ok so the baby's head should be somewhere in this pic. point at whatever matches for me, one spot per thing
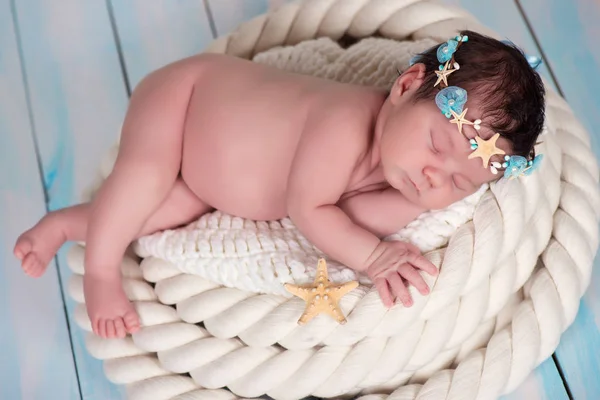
(425, 155)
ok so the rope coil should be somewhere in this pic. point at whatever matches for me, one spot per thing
(509, 285)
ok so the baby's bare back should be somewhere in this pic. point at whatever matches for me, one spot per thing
(243, 127)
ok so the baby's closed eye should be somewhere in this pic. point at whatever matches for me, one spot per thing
(434, 149)
(461, 183)
(467, 184)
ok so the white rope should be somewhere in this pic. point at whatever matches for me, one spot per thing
(510, 280)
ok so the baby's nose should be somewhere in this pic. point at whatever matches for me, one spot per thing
(435, 176)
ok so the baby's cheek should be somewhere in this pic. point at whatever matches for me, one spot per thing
(393, 175)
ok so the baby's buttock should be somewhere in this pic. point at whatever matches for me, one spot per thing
(245, 184)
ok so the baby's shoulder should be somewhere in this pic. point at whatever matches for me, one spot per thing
(340, 116)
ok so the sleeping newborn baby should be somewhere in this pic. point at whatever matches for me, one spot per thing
(348, 164)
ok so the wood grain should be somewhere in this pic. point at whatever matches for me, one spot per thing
(36, 350)
(78, 100)
(568, 32)
(155, 33)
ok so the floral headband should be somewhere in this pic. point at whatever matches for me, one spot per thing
(451, 100)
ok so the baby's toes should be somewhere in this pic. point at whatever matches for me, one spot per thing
(95, 325)
(22, 247)
(102, 328)
(110, 329)
(32, 265)
(120, 330)
(132, 321)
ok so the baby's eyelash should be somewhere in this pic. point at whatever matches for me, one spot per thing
(455, 185)
(435, 151)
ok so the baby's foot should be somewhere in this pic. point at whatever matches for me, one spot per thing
(36, 247)
(110, 311)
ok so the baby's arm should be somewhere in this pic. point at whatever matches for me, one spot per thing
(382, 212)
(323, 164)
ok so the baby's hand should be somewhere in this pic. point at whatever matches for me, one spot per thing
(393, 263)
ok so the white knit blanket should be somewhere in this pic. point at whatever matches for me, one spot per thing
(260, 256)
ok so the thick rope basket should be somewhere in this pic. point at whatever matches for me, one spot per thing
(510, 281)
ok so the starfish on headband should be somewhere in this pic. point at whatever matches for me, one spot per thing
(452, 99)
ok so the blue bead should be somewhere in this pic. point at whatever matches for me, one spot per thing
(534, 61)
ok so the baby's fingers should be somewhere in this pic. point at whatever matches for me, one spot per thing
(384, 292)
(400, 289)
(419, 261)
(413, 276)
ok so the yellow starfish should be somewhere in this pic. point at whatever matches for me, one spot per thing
(460, 120)
(486, 149)
(443, 74)
(322, 296)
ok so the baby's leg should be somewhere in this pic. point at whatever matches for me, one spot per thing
(146, 168)
(37, 246)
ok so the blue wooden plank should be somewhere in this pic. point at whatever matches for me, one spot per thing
(78, 101)
(156, 33)
(544, 383)
(36, 350)
(228, 14)
(567, 31)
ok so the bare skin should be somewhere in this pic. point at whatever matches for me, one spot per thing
(348, 164)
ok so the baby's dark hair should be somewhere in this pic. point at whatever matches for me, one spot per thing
(509, 91)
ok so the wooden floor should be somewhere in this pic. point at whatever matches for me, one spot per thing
(66, 69)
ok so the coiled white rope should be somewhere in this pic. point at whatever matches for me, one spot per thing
(510, 280)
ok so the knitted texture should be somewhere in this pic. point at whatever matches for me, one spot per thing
(510, 278)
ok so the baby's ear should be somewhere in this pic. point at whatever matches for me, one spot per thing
(409, 80)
